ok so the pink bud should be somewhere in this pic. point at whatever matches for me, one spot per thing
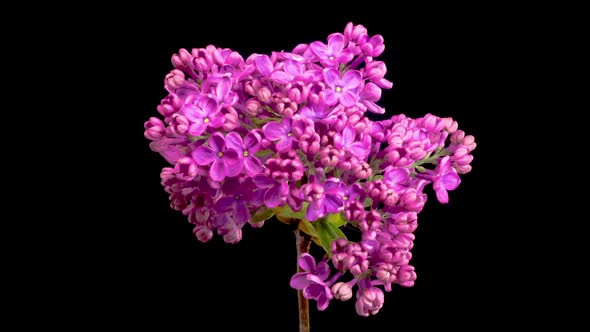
(154, 129)
(342, 291)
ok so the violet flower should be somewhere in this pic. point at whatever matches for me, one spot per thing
(333, 54)
(312, 282)
(445, 178)
(246, 149)
(323, 198)
(203, 112)
(342, 89)
(280, 132)
(223, 159)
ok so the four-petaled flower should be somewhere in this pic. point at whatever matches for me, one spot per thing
(223, 160)
(333, 54)
(312, 282)
(343, 89)
(445, 178)
(203, 112)
(280, 132)
(246, 149)
(323, 198)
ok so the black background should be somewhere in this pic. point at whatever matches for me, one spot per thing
(151, 270)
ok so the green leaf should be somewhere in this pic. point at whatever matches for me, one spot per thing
(286, 212)
(262, 153)
(337, 219)
(263, 215)
(368, 202)
(327, 232)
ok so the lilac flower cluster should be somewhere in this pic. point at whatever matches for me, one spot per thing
(287, 135)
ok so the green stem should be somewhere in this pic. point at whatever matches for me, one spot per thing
(302, 242)
(432, 159)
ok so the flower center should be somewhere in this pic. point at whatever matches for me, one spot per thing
(331, 57)
(289, 134)
(338, 89)
(246, 153)
(206, 120)
(220, 154)
(238, 196)
(345, 197)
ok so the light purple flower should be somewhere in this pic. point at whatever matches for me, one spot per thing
(346, 141)
(369, 300)
(333, 54)
(280, 132)
(223, 160)
(342, 89)
(312, 282)
(320, 113)
(203, 112)
(273, 192)
(445, 178)
(234, 203)
(246, 149)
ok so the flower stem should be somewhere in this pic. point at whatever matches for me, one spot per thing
(302, 241)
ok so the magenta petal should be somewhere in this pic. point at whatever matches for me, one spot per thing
(263, 181)
(336, 43)
(193, 112)
(281, 77)
(313, 213)
(323, 300)
(333, 203)
(197, 128)
(293, 67)
(450, 180)
(306, 262)
(285, 144)
(234, 141)
(359, 149)
(299, 280)
(208, 104)
(397, 175)
(251, 142)
(348, 135)
(273, 131)
(203, 155)
(330, 98)
(224, 204)
(331, 77)
(273, 197)
(217, 142)
(323, 270)
(253, 166)
(442, 195)
(217, 171)
(345, 56)
(264, 65)
(223, 87)
(347, 98)
(233, 162)
(241, 212)
(351, 79)
(313, 291)
(319, 49)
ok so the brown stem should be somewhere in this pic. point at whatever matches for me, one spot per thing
(302, 242)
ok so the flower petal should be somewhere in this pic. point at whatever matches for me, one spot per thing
(281, 77)
(347, 98)
(299, 280)
(234, 141)
(204, 155)
(307, 262)
(197, 128)
(313, 291)
(285, 144)
(331, 77)
(294, 68)
(330, 98)
(320, 49)
(273, 131)
(208, 104)
(264, 65)
(193, 112)
(242, 214)
(272, 196)
(336, 43)
(333, 203)
(217, 142)
(252, 142)
(263, 181)
(351, 79)
(217, 171)
(450, 180)
(442, 195)
(223, 87)
(314, 212)
(253, 166)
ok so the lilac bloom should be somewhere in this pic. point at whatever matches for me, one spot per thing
(323, 198)
(312, 282)
(396, 178)
(223, 159)
(344, 90)
(333, 54)
(293, 70)
(273, 193)
(264, 65)
(280, 132)
(246, 149)
(202, 112)
(352, 192)
(321, 113)
(234, 203)
(445, 178)
(223, 91)
(346, 141)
